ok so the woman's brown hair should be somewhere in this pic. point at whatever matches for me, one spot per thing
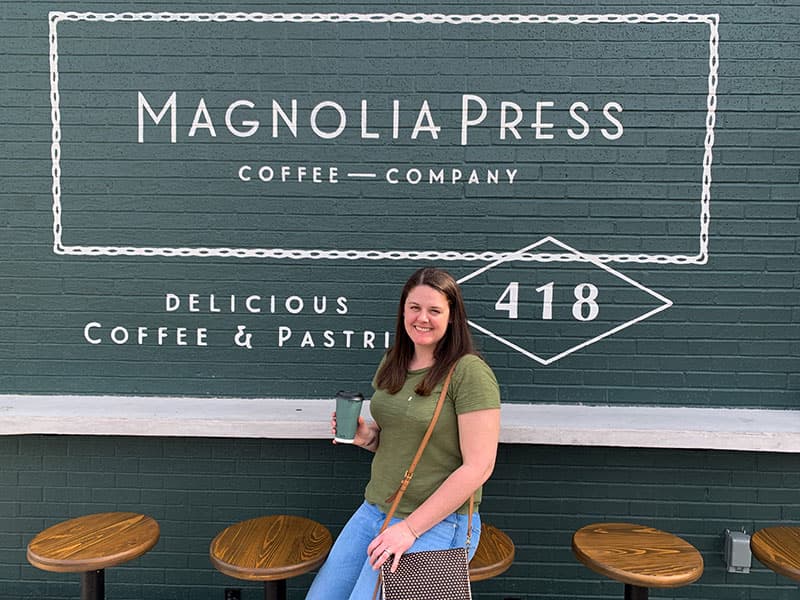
(457, 340)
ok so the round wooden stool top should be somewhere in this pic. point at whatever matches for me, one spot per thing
(637, 555)
(270, 548)
(779, 549)
(494, 555)
(93, 542)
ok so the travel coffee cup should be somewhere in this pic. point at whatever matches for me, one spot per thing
(348, 409)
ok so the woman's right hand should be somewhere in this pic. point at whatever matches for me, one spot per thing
(366, 433)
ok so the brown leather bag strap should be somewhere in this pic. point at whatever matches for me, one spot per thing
(398, 494)
(469, 520)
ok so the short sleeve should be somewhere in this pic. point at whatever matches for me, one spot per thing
(474, 386)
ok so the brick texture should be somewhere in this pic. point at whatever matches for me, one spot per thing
(539, 495)
(730, 339)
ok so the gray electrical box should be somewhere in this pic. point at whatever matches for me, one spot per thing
(737, 551)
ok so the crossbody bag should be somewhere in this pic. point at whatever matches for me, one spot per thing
(430, 574)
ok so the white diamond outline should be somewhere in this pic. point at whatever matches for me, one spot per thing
(582, 256)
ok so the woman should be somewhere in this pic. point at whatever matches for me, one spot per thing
(432, 334)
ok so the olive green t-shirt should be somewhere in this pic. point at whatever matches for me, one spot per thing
(404, 417)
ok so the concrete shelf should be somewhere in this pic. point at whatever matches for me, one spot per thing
(557, 424)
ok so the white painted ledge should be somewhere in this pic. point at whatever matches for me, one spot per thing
(573, 425)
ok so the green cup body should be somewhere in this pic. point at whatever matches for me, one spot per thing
(348, 409)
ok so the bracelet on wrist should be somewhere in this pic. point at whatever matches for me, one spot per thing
(411, 529)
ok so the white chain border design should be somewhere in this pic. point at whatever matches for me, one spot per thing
(712, 20)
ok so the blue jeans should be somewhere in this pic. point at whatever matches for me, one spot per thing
(347, 574)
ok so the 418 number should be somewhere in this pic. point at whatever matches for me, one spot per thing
(585, 307)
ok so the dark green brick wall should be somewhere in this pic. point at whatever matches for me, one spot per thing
(729, 339)
(539, 494)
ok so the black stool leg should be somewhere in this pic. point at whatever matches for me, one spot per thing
(634, 592)
(275, 590)
(93, 585)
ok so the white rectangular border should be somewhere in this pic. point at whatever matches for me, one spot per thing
(712, 20)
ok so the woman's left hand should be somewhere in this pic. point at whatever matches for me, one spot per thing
(391, 544)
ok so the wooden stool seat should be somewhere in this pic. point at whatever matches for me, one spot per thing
(92, 543)
(271, 549)
(779, 549)
(494, 555)
(638, 556)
